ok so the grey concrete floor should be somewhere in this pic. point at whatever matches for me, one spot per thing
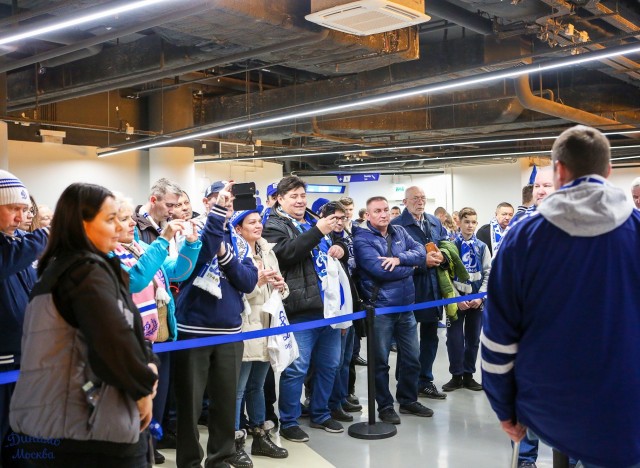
(463, 433)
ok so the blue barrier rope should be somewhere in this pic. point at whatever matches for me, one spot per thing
(12, 376)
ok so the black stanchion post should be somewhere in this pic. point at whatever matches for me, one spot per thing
(372, 429)
(560, 460)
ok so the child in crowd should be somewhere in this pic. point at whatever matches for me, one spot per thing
(463, 334)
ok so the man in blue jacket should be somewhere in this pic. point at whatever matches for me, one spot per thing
(20, 251)
(210, 303)
(425, 228)
(560, 347)
(386, 257)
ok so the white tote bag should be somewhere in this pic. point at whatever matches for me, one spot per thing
(282, 349)
(337, 293)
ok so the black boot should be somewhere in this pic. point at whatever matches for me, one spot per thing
(453, 384)
(263, 445)
(469, 382)
(240, 459)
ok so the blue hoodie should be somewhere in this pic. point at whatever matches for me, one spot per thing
(560, 349)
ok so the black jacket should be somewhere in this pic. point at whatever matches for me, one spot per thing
(148, 233)
(484, 234)
(293, 250)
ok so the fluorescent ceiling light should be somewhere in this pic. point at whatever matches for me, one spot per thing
(431, 88)
(56, 25)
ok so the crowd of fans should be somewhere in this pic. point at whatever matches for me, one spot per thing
(85, 296)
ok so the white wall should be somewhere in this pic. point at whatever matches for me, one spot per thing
(261, 172)
(483, 187)
(48, 168)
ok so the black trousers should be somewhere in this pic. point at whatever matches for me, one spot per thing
(216, 368)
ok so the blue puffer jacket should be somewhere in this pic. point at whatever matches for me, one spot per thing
(17, 278)
(425, 279)
(174, 270)
(396, 287)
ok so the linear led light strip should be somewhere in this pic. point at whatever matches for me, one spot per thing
(394, 148)
(58, 25)
(453, 84)
(475, 156)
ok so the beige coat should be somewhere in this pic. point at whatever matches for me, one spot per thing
(256, 349)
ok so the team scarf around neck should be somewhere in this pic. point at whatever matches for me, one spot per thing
(209, 276)
(580, 181)
(472, 261)
(496, 234)
(153, 295)
(148, 217)
(319, 253)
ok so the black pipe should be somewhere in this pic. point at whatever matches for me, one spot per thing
(460, 16)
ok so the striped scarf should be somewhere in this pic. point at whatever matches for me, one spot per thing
(154, 294)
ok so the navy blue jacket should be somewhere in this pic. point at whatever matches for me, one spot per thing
(425, 279)
(17, 277)
(560, 347)
(396, 287)
(200, 313)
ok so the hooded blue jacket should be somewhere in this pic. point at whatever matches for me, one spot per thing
(396, 287)
(17, 277)
(560, 350)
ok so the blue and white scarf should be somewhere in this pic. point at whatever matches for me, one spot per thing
(148, 217)
(496, 235)
(319, 253)
(580, 181)
(209, 276)
(472, 261)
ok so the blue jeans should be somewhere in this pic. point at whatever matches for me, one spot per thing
(250, 387)
(324, 345)
(463, 341)
(528, 450)
(341, 384)
(402, 327)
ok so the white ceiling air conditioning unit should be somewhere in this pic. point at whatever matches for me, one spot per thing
(365, 17)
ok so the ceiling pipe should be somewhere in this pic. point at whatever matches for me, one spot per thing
(460, 16)
(544, 106)
(92, 41)
(147, 76)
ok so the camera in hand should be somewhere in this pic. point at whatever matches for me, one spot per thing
(245, 196)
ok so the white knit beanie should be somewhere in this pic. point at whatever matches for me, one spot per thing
(12, 190)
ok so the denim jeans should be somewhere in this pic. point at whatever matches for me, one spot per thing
(340, 386)
(250, 388)
(528, 450)
(324, 345)
(463, 341)
(402, 327)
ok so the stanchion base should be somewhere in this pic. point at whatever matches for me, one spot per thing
(378, 430)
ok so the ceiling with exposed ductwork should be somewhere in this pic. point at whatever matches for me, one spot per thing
(181, 67)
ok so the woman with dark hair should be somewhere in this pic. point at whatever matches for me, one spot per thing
(31, 219)
(88, 377)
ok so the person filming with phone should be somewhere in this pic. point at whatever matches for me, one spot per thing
(302, 246)
(211, 303)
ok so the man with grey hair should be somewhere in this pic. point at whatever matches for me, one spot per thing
(635, 191)
(154, 215)
(424, 229)
(561, 322)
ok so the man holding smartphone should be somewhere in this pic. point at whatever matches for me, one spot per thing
(301, 246)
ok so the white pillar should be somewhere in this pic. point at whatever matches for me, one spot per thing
(176, 164)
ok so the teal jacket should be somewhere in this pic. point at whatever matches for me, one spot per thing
(174, 269)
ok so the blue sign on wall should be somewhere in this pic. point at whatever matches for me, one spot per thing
(346, 178)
